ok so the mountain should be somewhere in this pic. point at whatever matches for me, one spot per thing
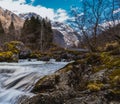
(64, 35)
(7, 16)
(28, 15)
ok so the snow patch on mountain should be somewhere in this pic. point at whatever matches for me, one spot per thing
(71, 38)
(29, 15)
(109, 24)
(64, 35)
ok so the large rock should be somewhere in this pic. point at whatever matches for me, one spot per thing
(80, 83)
(8, 56)
(18, 48)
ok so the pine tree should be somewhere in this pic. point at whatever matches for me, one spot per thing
(12, 28)
(48, 34)
(2, 34)
(1, 28)
(12, 32)
(36, 33)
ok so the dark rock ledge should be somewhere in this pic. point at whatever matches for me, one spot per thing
(92, 80)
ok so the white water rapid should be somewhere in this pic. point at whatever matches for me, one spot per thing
(17, 79)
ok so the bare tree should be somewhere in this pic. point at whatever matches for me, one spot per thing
(89, 17)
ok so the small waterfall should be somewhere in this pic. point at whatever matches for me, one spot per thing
(17, 79)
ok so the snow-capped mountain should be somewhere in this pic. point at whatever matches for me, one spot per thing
(28, 15)
(64, 35)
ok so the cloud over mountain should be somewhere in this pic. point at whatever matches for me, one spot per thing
(20, 6)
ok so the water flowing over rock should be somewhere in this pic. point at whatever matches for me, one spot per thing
(81, 82)
(17, 79)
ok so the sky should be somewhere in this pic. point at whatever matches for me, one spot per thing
(56, 10)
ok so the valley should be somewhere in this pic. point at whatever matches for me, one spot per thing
(68, 57)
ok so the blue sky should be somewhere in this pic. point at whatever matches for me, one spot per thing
(56, 4)
(56, 10)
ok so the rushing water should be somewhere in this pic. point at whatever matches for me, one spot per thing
(17, 79)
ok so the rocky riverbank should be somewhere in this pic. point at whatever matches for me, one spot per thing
(15, 50)
(93, 79)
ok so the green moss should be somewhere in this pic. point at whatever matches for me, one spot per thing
(66, 68)
(73, 52)
(110, 61)
(35, 55)
(103, 61)
(98, 68)
(95, 86)
(115, 76)
(13, 46)
(115, 91)
(39, 82)
(7, 56)
(55, 48)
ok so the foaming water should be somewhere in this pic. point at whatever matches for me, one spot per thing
(17, 79)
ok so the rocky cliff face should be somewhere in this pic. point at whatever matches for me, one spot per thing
(64, 35)
(7, 16)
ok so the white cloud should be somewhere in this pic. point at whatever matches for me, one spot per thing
(20, 6)
(61, 15)
(32, 1)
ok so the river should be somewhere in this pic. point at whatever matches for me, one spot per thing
(17, 79)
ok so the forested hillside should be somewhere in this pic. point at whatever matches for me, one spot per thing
(37, 33)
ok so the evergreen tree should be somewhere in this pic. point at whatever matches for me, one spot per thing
(12, 28)
(37, 33)
(1, 28)
(48, 35)
(12, 32)
(2, 34)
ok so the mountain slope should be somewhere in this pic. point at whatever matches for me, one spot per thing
(64, 35)
(7, 16)
(28, 15)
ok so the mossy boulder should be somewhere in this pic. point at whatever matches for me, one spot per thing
(18, 48)
(14, 46)
(8, 56)
(96, 76)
